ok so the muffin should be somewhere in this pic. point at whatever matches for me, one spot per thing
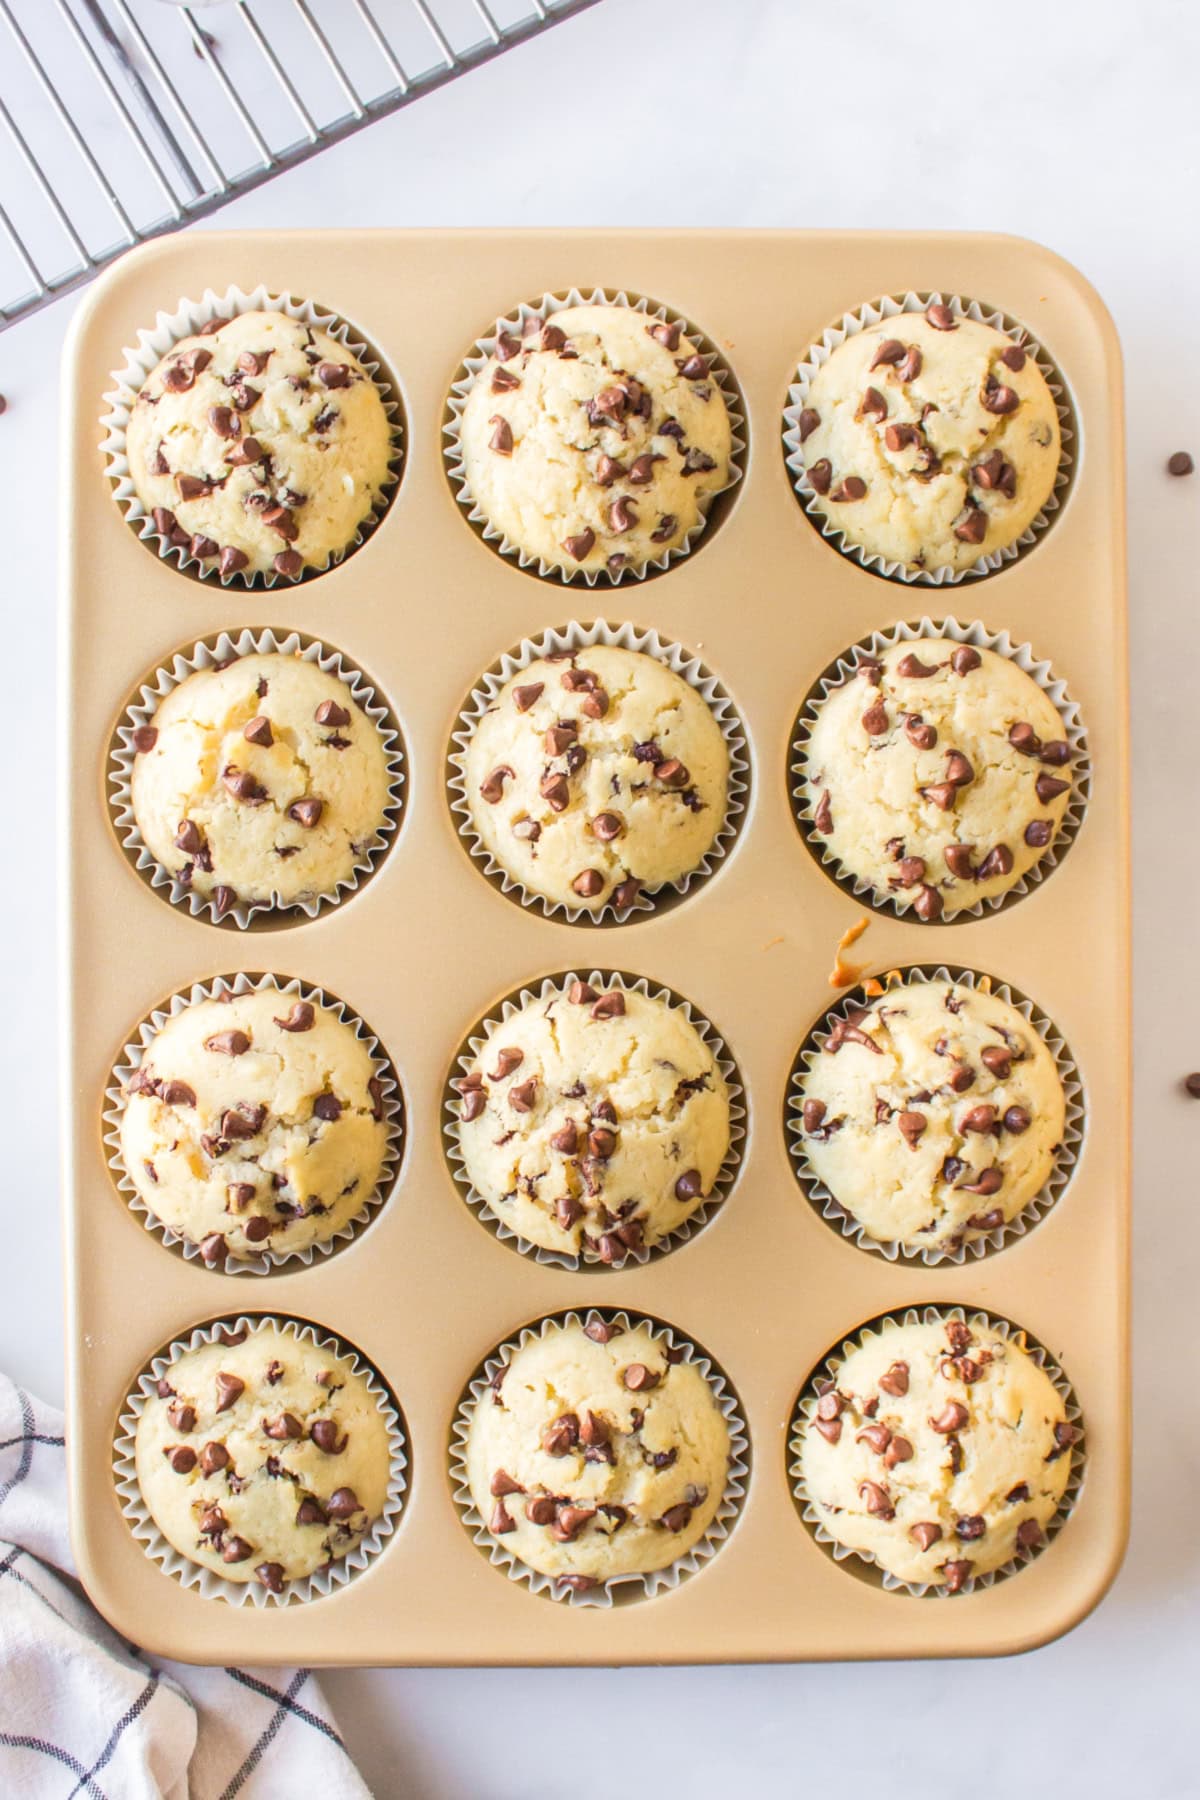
(595, 441)
(254, 1124)
(933, 1115)
(262, 1457)
(593, 776)
(597, 1454)
(593, 1122)
(941, 1451)
(937, 774)
(261, 782)
(259, 445)
(929, 439)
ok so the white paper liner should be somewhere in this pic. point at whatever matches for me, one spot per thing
(267, 1262)
(719, 372)
(618, 1590)
(931, 1315)
(251, 1593)
(890, 307)
(1035, 1208)
(602, 980)
(575, 637)
(977, 635)
(184, 322)
(211, 653)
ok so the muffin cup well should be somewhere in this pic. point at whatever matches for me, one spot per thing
(977, 635)
(805, 1406)
(572, 638)
(891, 306)
(267, 1262)
(602, 980)
(1035, 1209)
(152, 345)
(619, 1590)
(192, 1575)
(719, 372)
(214, 653)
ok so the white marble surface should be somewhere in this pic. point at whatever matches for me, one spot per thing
(1074, 122)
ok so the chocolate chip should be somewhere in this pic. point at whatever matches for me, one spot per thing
(928, 904)
(588, 884)
(224, 422)
(973, 528)
(327, 1107)
(925, 1534)
(343, 1503)
(607, 826)
(595, 704)
(820, 475)
(979, 1119)
(970, 1528)
(689, 1186)
(913, 669)
(324, 1434)
(522, 1097)
(244, 454)
(809, 419)
(958, 859)
(1013, 358)
(473, 1104)
(561, 1435)
(638, 1379)
(609, 1006)
(1017, 1120)
(213, 1458)
(501, 440)
(993, 472)
(872, 405)
(890, 352)
(998, 1060)
(229, 1389)
(228, 1043)
(672, 773)
(899, 436)
(989, 1182)
(1180, 463)
(506, 1061)
(875, 720)
(287, 1425)
(952, 1417)
(912, 1127)
(288, 562)
(998, 861)
(555, 790)
(492, 787)
(641, 470)
(940, 317)
(876, 1500)
(942, 794)
(850, 489)
(965, 659)
(1192, 1085)
(232, 560)
(581, 993)
(1047, 787)
(300, 1018)
(895, 1379)
(692, 368)
(331, 714)
(541, 1511)
(987, 1221)
(238, 1195)
(665, 333)
(333, 375)
(164, 520)
(525, 697)
(999, 399)
(502, 1484)
(258, 731)
(565, 1140)
(813, 1114)
(622, 515)
(876, 1437)
(258, 1229)
(920, 735)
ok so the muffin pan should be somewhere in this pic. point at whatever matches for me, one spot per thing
(428, 946)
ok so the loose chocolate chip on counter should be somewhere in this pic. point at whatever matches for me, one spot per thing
(940, 317)
(1180, 463)
(852, 488)
(638, 1379)
(300, 1018)
(588, 884)
(228, 1043)
(965, 659)
(952, 1417)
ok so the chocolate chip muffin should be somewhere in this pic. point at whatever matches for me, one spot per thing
(259, 445)
(254, 1123)
(938, 774)
(933, 1115)
(594, 776)
(594, 1121)
(941, 1451)
(595, 441)
(260, 782)
(930, 439)
(262, 1457)
(597, 1453)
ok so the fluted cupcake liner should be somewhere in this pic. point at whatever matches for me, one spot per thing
(891, 306)
(192, 1575)
(979, 637)
(153, 344)
(805, 1407)
(215, 653)
(618, 1590)
(1035, 1208)
(602, 981)
(570, 639)
(267, 1262)
(719, 373)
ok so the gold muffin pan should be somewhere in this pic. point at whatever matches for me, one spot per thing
(428, 946)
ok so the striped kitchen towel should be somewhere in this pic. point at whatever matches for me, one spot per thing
(82, 1712)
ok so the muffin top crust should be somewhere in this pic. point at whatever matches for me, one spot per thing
(930, 439)
(594, 1120)
(937, 773)
(254, 1123)
(941, 1450)
(594, 441)
(259, 445)
(933, 1115)
(262, 1457)
(598, 1452)
(596, 775)
(260, 781)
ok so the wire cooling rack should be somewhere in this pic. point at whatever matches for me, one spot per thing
(122, 119)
